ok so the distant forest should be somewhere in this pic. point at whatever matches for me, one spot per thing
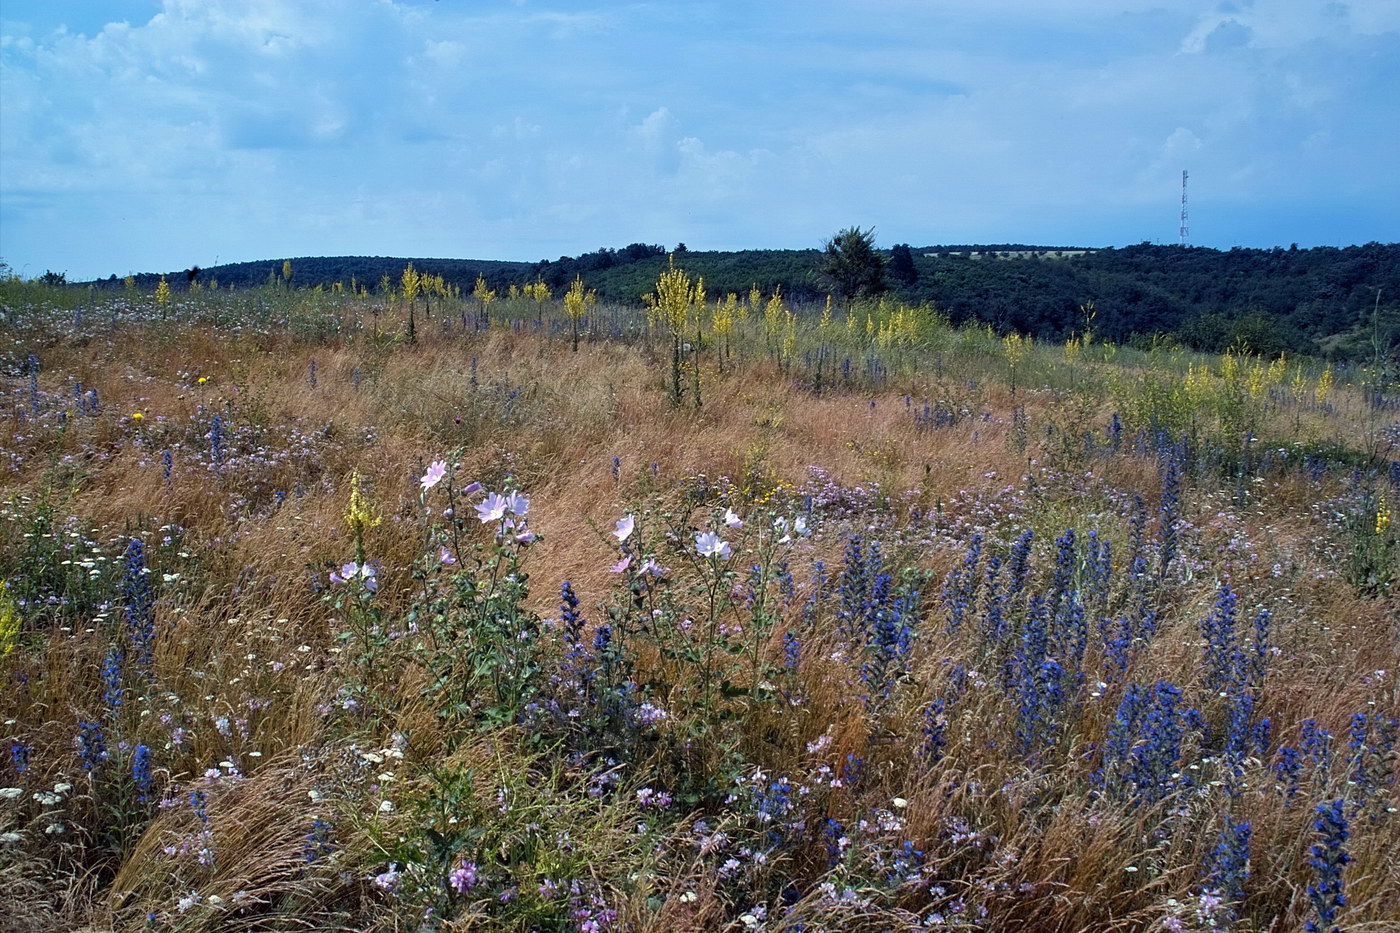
(1335, 301)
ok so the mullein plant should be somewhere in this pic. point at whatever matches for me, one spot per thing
(675, 299)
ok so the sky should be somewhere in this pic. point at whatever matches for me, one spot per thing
(142, 136)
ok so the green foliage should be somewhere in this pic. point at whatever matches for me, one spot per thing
(851, 266)
(901, 266)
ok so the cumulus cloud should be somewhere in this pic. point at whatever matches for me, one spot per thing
(260, 128)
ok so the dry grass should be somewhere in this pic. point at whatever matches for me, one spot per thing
(248, 631)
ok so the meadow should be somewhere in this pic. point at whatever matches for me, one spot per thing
(420, 610)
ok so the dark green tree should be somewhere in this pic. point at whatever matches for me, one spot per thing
(902, 264)
(851, 266)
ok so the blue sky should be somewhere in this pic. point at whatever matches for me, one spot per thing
(148, 136)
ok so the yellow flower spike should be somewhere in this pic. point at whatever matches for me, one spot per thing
(9, 621)
(1382, 519)
(360, 516)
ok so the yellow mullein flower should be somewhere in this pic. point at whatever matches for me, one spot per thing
(9, 621)
(360, 516)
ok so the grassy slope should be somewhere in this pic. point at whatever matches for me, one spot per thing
(261, 663)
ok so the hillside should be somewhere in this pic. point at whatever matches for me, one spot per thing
(1318, 300)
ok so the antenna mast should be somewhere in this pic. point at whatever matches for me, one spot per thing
(1185, 230)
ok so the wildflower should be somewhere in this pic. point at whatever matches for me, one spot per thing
(445, 556)
(141, 771)
(388, 880)
(112, 678)
(649, 715)
(625, 525)
(621, 565)
(202, 380)
(517, 504)
(139, 600)
(731, 520)
(493, 509)
(91, 747)
(1329, 858)
(709, 544)
(471, 489)
(788, 529)
(436, 471)
(137, 416)
(351, 571)
(463, 878)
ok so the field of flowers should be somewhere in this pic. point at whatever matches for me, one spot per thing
(416, 610)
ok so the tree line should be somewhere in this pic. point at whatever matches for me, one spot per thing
(1338, 301)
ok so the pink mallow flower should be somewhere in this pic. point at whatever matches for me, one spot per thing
(625, 526)
(493, 509)
(709, 544)
(352, 571)
(436, 471)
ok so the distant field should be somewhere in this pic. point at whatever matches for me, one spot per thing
(1017, 254)
(419, 609)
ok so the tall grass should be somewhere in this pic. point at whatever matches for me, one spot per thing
(905, 631)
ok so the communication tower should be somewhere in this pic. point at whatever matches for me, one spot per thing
(1185, 230)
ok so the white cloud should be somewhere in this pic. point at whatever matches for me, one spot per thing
(497, 130)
